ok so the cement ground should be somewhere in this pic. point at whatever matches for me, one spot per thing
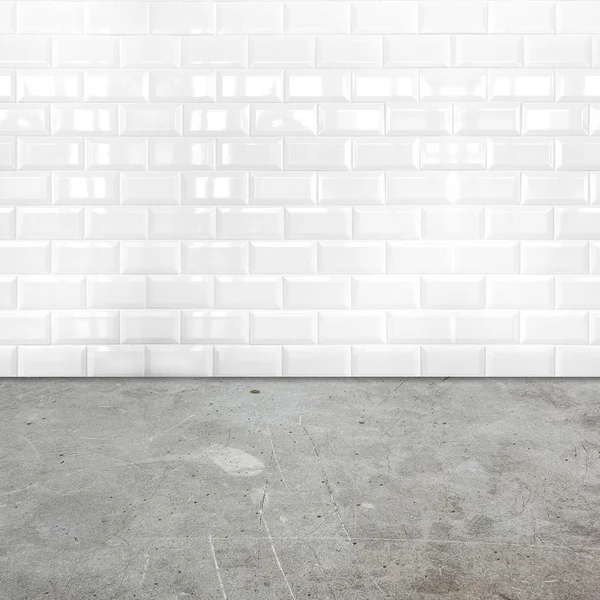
(279, 489)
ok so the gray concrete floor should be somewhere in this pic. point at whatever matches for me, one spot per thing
(324, 489)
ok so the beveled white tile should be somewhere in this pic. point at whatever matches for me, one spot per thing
(179, 361)
(386, 361)
(52, 361)
(283, 327)
(453, 361)
(247, 361)
(85, 327)
(215, 326)
(150, 326)
(317, 361)
(115, 361)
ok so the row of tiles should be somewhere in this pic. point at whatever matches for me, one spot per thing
(355, 17)
(298, 52)
(340, 292)
(299, 361)
(405, 119)
(364, 223)
(322, 85)
(299, 153)
(553, 327)
(541, 257)
(297, 188)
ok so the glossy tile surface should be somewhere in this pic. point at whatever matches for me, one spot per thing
(299, 188)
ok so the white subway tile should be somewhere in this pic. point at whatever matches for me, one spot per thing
(215, 326)
(85, 327)
(150, 326)
(416, 50)
(507, 223)
(52, 361)
(249, 18)
(150, 257)
(386, 223)
(453, 361)
(558, 51)
(351, 257)
(577, 361)
(520, 291)
(545, 119)
(574, 223)
(286, 119)
(180, 85)
(554, 257)
(42, 223)
(279, 257)
(385, 291)
(420, 327)
(146, 52)
(149, 188)
(554, 327)
(487, 257)
(54, 292)
(577, 292)
(420, 257)
(116, 153)
(182, 18)
(83, 188)
(8, 361)
(313, 86)
(317, 361)
(181, 222)
(385, 154)
(351, 188)
(523, 154)
(248, 86)
(345, 120)
(384, 17)
(257, 154)
(515, 361)
(522, 17)
(290, 52)
(248, 361)
(488, 51)
(215, 257)
(24, 327)
(91, 51)
(25, 257)
(205, 188)
(452, 291)
(116, 291)
(210, 120)
(116, 223)
(283, 327)
(388, 84)
(486, 327)
(85, 257)
(318, 223)
(115, 361)
(283, 188)
(512, 85)
(418, 119)
(446, 85)
(179, 361)
(179, 291)
(555, 188)
(230, 51)
(248, 292)
(352, 327)
(452, 223)
(487, 119)
(316, 18)
(8, 292)
(455, 16)
(113, 85)
(386, 361)
(305, 292)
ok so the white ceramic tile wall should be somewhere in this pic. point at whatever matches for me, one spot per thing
(397, 187)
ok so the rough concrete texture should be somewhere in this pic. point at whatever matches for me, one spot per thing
(323, 489)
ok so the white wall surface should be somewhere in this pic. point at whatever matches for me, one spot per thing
(300, 188)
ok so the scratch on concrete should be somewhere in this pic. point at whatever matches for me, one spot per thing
(32, 446)
(275, 457)
(217, 568)
(289, 587)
